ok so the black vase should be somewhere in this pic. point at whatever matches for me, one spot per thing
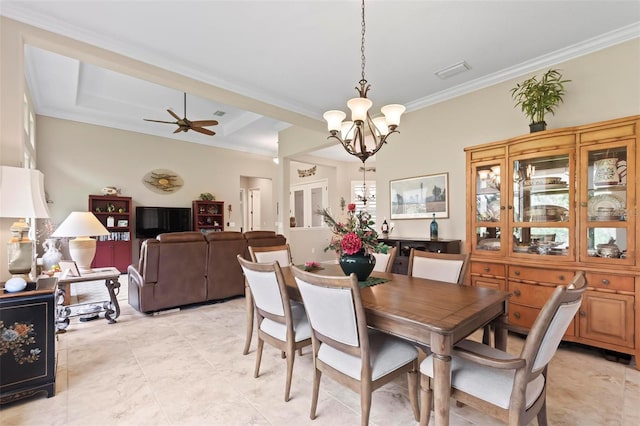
(359, 263)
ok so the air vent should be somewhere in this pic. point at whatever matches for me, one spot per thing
(219, 113)
(452, 70)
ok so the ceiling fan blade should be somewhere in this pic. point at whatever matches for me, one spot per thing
(201, 123)
(203, 131)
(173, 114)
(178, 130)
(159, 121)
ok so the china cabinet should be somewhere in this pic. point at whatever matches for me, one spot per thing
(208, 216)
(114, 213)
(545, 205)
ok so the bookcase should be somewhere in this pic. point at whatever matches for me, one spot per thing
(114, 213)
(208, 216)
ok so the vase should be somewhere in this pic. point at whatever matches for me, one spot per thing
(359, 263)
(52, 255)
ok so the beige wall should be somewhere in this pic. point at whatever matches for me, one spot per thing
(605, 85)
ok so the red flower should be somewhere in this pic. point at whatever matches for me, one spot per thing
(351, 244)
(351, 207)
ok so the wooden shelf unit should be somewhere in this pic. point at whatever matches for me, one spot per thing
(404, 245)
(114, 249)
(208, 216)
(538, 212)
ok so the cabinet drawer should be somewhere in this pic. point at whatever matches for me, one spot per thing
(484, 268)
(551, 276)
(530, 294)
(525, 316)
(610, 281)
(492, 283)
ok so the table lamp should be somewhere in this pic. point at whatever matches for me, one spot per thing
(82, 226)
(21, 196)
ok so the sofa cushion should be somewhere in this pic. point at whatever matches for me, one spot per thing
(224, 274)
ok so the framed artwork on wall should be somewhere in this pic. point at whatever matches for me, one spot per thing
(420, 197)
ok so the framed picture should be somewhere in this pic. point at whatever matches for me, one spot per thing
(420, 197)
(68, 268)
(123, 223)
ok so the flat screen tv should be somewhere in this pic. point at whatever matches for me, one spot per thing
(151, 221)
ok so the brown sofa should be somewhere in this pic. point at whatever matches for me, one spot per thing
(183, 268)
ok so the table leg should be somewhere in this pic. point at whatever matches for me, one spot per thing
(62, 311)
(112, 306)
(441, 346)
(501, 331)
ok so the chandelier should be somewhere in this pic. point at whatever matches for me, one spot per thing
(354, 134)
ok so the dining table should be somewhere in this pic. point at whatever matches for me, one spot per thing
(428, 312)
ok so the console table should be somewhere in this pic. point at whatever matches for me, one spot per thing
(110, 307)
(27, 349)
(404, 245)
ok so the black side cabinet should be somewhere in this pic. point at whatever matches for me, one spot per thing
(401, 264)
(27, 341)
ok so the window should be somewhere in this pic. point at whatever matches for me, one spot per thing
(306, 200)
(361, 191)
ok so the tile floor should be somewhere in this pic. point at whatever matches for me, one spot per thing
(186, 367)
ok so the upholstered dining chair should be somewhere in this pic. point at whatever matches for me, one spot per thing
(281, 254)
(281, 323)
(384, 261)
(448, 267)
(345, 348)
(511, 388)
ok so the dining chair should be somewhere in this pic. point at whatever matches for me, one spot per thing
(511, 388)
(384, 261)
(448, 267)
(281, 323)
(281, 254)
(344, 347)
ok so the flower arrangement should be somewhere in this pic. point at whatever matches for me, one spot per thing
(355, 234)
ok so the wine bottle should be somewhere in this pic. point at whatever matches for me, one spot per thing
(434, 228)
(385, 226)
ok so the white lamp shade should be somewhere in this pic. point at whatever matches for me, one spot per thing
(359, 108)
(381, 125)
(22, 193)
(80, 224)
(392, 113)
(334, 119)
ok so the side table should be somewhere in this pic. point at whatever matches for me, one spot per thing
(27, 347)
(111, 307)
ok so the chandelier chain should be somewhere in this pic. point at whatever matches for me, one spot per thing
(362, 58)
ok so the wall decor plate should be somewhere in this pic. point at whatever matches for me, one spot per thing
(605, 202)
(162, 181)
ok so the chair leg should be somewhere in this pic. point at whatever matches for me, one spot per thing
(316, 389)
(258, 357)
(249, 302)
(365, 403)
(542, 415)
(291, 355)
(412, 379)
(426, 399)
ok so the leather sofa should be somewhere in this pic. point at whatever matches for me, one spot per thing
(184, 268)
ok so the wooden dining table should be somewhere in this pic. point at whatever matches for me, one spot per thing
(430, 313)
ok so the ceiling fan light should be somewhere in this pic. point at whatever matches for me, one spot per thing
(359, 108)
(392, 114)
(334, 119)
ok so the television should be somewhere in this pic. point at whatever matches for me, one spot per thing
(151, 221)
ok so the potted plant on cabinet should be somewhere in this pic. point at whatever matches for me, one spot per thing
(538, 97)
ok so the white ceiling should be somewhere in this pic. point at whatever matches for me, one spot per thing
(299, 56)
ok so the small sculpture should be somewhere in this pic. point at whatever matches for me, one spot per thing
(110, 190)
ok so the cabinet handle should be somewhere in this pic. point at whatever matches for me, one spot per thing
(502, 207)
(516, 315)
(517, 293)
(516, 273)
(510, 207)
(583, 204)
(561, 277)
(487, 269)
(605, 282)
(583, 314)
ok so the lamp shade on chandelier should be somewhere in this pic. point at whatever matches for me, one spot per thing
(363, 136)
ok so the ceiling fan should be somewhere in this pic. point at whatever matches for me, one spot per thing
(185, 125)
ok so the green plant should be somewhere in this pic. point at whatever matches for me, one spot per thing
(356, 233)
(536, 98)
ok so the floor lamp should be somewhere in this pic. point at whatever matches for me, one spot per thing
(21, 196)
(82, 226)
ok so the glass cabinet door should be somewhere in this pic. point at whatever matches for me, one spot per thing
(489, 218)
(604, 203)
(540, 214)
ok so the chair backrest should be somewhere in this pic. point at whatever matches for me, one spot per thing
(268, 289)
(384, 261)
(279, 253)
(550, 325)
(448, 267)
(335, 312)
